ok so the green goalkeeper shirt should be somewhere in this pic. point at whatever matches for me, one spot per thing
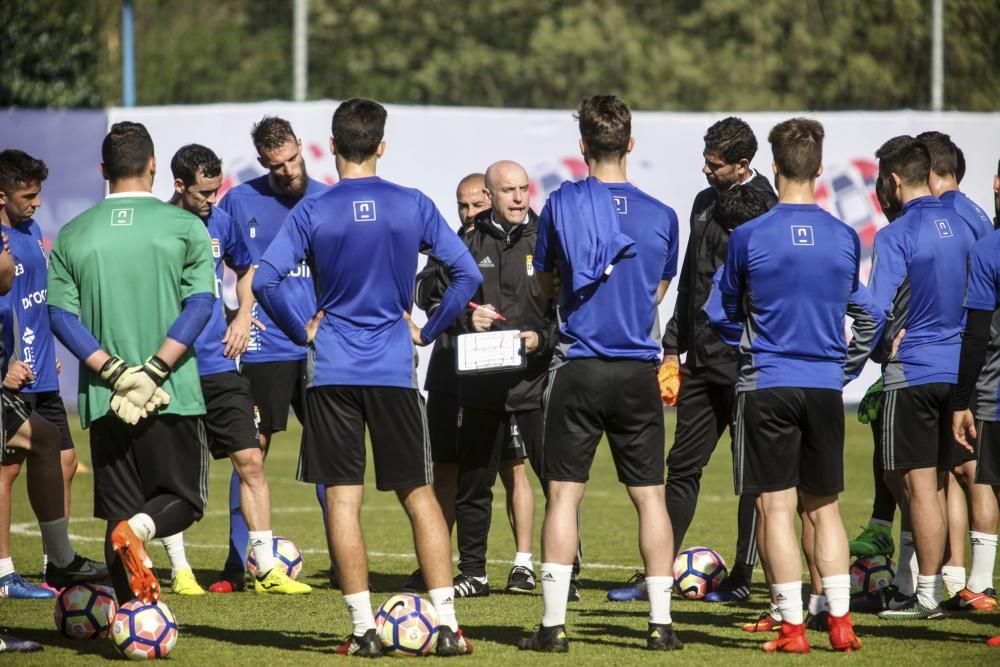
(124, 267)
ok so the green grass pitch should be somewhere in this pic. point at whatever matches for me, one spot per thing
(247, 628)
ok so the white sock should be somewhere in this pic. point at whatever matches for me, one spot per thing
(788, 597)
(984, 555)
(658, 590)
(56, 540)
(954, 578)
(143, 527)
(837, 589)
(6, 566)
(555, 588)
(774, 612)
(359, 606)
(262, 543)
(906, 568)
(45, 563)
(443, 600)
(523, 559)
(174, 544)
(818, 603)
(880, 522)
(929, 590)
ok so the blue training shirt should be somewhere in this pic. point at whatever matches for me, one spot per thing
(616, 319)
(983, 293)
(790, 275)
(259, 213)
(228, 249)
(26, 329)
(968, 210)
(918, 278)
(363, 237)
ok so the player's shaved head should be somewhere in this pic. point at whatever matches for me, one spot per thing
(471, 198)
(508, 188)
(471, 182)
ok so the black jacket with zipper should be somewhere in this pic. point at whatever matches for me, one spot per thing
(688, 330)
(509, 284)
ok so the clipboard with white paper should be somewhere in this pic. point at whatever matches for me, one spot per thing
(490, 352)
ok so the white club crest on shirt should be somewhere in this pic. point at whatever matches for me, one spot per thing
(943, 228)
(364, 211)
(122, 217)
(802, 235)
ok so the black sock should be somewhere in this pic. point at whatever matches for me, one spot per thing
(170, 514)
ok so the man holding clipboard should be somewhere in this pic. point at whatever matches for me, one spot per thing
(501, 379)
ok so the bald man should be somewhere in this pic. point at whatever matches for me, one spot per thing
(500, 418)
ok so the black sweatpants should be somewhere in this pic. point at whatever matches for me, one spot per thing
(704, 410)
(485, 437)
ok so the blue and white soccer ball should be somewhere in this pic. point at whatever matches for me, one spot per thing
(698, 571)
(286, 555)
(85, 611)
(871, 574)
(144, 631)
(407, 625)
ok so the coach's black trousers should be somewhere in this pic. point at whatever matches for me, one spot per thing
(485, 437)
(704, 411)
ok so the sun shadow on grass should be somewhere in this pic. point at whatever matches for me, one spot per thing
(52, 638)
(290, 640)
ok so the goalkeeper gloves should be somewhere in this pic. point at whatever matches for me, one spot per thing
(871, 404)
(669, 377)
(137, 391)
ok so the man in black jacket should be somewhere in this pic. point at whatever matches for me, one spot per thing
(708, 375)
(500, 419)
(441, 384)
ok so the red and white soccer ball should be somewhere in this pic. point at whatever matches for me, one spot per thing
(698, 571)
(85, 611)
(286, 555)
(144, 631)
(870, 575)
(407, 625)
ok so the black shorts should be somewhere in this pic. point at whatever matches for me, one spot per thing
(516, 435)
(15, 412)
(161, 454)
(333, 439)
(588, 397)
(230, 421)
(49, 404)
(916, 427)
(988, 446)
(787, 438)
(442, 424)
(276, 385)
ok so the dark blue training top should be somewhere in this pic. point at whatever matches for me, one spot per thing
(983, 293)
(228, 249)
(27, 331)
(259, 212)
(362, 237)
(790, 275)
(918, 278)
(614, 318)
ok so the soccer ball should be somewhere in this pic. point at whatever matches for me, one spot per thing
(698, 571)
(870, 574)
(85, 611)
(144, 631)
(286, 554)
(407, 625)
